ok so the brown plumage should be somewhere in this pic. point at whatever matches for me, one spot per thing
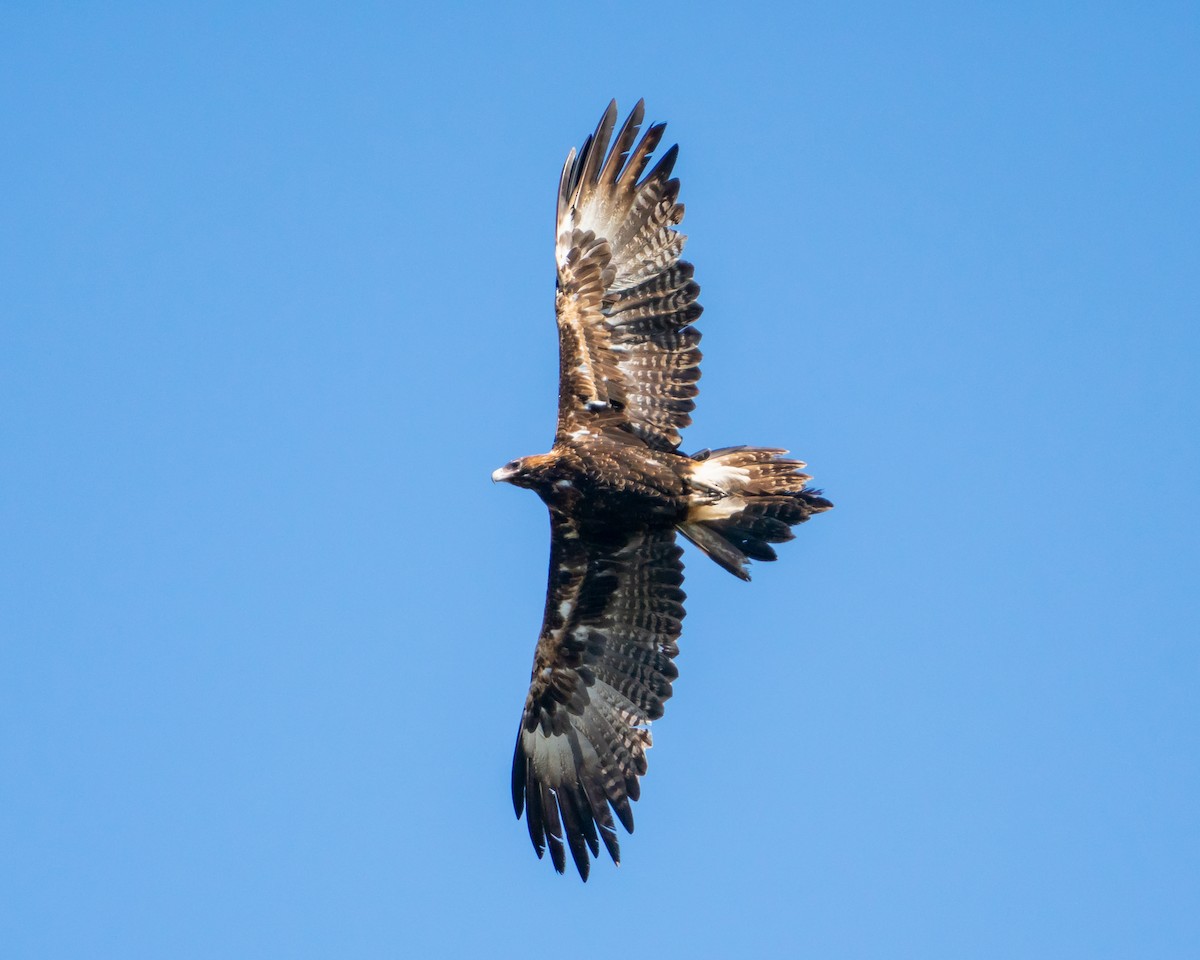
(618, 491)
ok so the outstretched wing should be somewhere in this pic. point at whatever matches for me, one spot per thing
(602, 671)
(628, 354)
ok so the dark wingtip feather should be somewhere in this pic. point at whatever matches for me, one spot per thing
(576, 823)
(624, 812)
(554, 829)
(609, 836)
(518, 777)
(666, 163)
(535, 818)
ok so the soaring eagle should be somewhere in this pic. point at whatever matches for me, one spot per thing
(618, 490)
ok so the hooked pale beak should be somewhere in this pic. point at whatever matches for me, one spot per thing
(504, 474)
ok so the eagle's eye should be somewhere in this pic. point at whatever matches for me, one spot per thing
(512, 465)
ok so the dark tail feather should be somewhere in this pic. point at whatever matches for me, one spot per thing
(717, 547)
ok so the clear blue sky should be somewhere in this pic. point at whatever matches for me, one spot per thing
(276, 297)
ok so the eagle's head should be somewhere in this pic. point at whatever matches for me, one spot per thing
(528, 472)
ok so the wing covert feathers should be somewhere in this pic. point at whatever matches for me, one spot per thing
(625, 302)
(601, 673)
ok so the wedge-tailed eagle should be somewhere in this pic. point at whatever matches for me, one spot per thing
(619, 490)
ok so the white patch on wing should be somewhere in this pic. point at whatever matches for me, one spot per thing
(580, 433)
(565, 608)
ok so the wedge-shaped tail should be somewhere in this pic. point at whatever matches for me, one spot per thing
(744, 499)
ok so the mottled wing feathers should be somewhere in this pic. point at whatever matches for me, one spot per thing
(602, 671)
(625, 302)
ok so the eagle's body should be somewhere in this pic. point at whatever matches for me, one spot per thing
(608, 478)
(618, 490)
